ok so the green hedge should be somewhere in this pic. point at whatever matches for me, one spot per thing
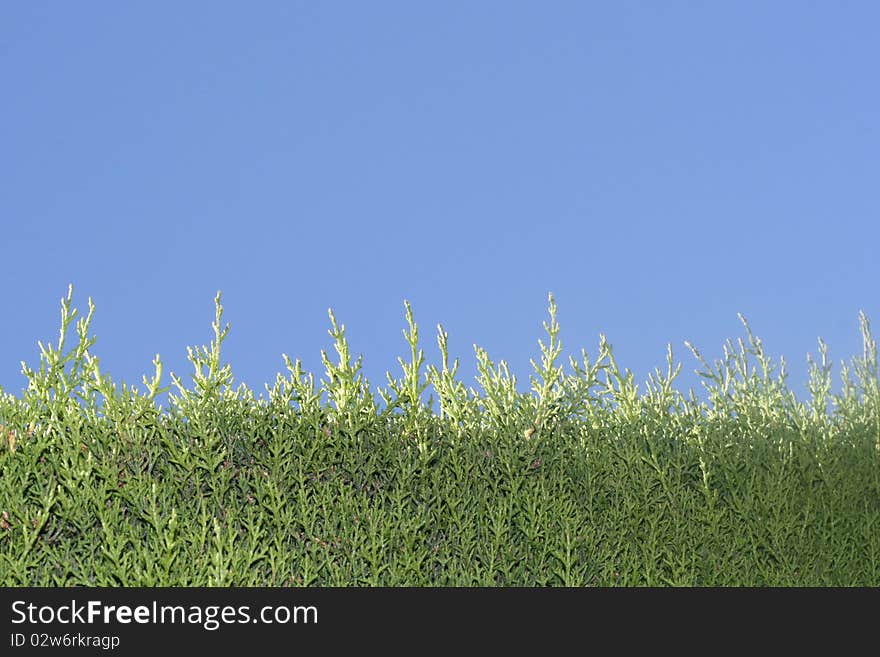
(581, 481)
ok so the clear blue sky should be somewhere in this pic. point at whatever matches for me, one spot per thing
(659, 167)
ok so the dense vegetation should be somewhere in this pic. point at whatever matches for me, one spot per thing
(582, 481)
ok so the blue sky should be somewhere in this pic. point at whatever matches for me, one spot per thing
(659, 167)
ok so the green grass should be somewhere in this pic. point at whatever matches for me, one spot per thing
(324, 482)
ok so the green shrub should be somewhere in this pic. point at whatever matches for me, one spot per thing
(581, 481)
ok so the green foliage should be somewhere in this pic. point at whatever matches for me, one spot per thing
(582, 481)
